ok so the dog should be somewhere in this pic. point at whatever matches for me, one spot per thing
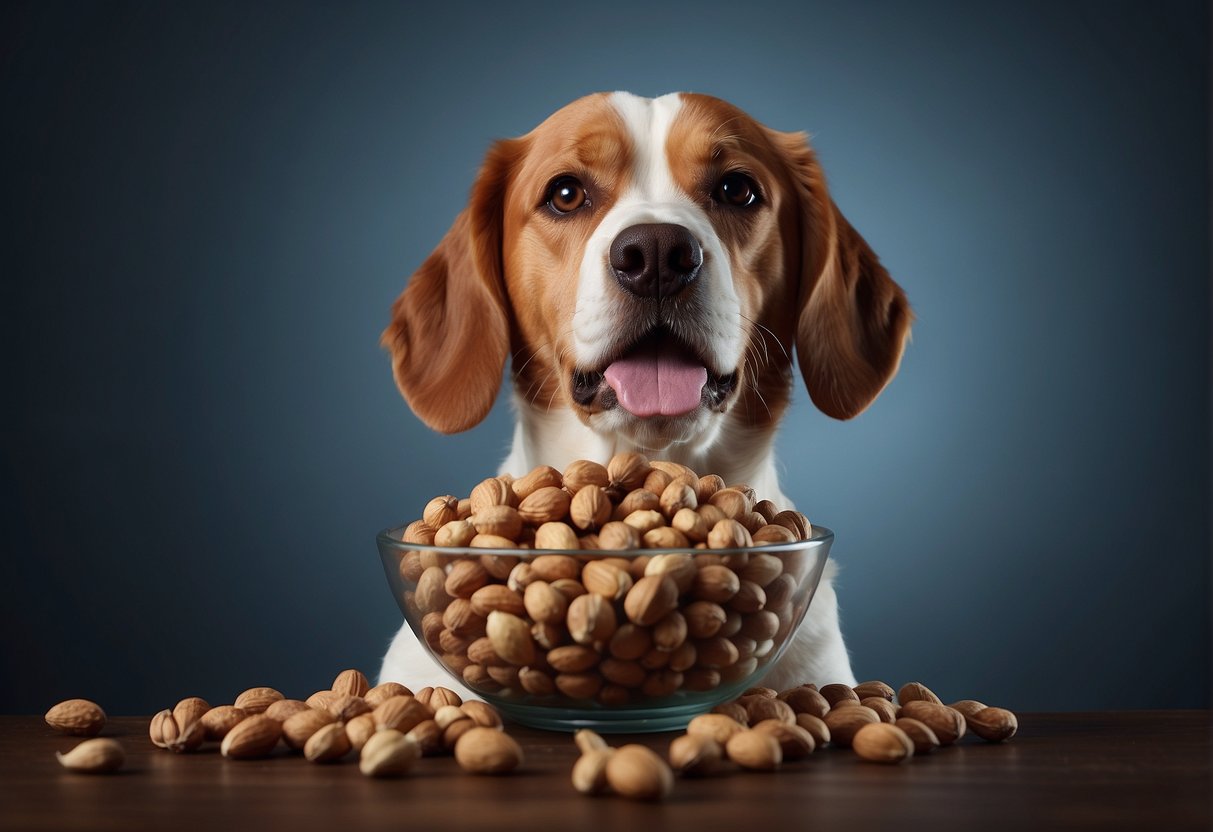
(650, 266)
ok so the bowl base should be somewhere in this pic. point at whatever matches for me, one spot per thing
(623, 721)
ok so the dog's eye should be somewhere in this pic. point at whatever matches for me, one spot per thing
(566, 195)
(736, 189)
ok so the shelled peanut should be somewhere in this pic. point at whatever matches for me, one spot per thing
(590, 623)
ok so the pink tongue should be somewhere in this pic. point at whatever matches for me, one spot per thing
(653, 380)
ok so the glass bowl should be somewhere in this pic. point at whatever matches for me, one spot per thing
(615, 678)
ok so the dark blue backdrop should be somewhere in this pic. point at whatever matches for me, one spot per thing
(207, 210)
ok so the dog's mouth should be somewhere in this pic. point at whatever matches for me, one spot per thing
(658, 375)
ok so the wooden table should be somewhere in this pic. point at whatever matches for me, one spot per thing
(1126, 770)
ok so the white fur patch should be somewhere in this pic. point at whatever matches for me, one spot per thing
(603, 313)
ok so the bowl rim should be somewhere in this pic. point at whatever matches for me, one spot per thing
(821, 536)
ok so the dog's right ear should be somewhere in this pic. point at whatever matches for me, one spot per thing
(450, 330)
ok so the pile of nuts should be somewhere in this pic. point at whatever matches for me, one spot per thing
(387, 726)
(596, 626)
(764, 728)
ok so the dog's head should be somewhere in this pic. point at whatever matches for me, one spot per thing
(650, 264)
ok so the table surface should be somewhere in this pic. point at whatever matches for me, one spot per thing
(1116, 770)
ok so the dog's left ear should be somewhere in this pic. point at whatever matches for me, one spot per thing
(450, 330)
(853, 320)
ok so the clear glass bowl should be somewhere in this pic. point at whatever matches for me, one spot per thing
(648, 699)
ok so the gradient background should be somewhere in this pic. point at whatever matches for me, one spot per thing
(209, 209)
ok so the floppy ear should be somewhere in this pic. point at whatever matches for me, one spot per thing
(853, 319)
(450, 331)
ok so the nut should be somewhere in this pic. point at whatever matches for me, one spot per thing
(865, 690)
(437, 697)
(714, 726)
(838, 693)
(388, 753)
(482, 714)
(497, 598)
(282, 710)
(968, 707)
(219, 720)
(465, 577)
(796, 522)
(590, 508)
(846, 721)
(794, 742)
(256, 700)
(189, 738)
(816, 727)
(591, 618)
(670, 632)
(402, 713)
(677, 496)
(924, 738)
(771, 533)
(637, 772)
(627, 471)
(544, 604)
(497, 521)
(917, 692)
(511, 638)
(618, 535)
(556, 536)
(545, 505)
(704, 618)
(487, 751)
(440, 511)
(77, 717)
(573, 658)
(163, 729)
(606, 579)
(359, 730)
(298, 729)
(589, 772)
(639, 499)
(729, 534)
(881, 742)
(328, 744)
(645, 520)
(884, 709)
(544, 476)
(680, 568)
(695, 754)
(346, 707)
(554, 568)
(587, 741)
(994, 724)
(491, 492)
(948, 725)
(806, 700)
(708, 485)
(455, 533)
(651, 599)
(94, 756)
(715, 583)
(753, 749)
(583, 473)
(428, 736)
(253, 737)
(761, 708)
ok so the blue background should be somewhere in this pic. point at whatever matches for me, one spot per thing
(208, 210)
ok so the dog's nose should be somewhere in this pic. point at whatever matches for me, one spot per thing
(655, 260)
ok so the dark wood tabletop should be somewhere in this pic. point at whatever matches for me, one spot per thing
(1144, 770)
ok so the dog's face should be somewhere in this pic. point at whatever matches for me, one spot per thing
(650, 264)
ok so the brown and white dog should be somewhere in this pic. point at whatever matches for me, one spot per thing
(649, 266)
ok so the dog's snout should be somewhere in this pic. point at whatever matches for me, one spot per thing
(655, 260)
